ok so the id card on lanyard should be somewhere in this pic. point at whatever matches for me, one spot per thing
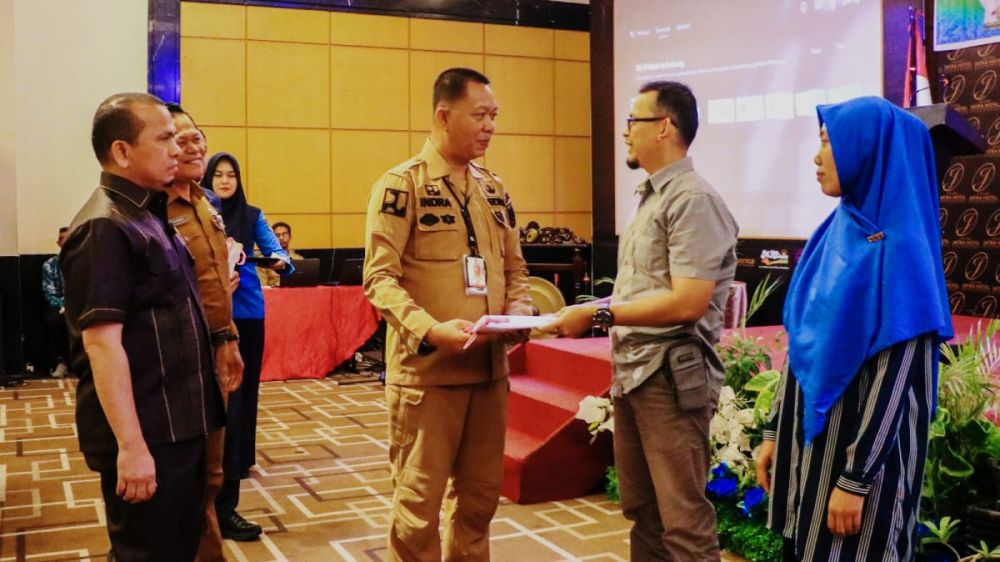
(473, 264)
(475, 275)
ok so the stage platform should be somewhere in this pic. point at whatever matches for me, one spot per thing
(548, 455)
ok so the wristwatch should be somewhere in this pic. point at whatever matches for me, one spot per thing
(425, 348)
(223, 337)
(603, 317)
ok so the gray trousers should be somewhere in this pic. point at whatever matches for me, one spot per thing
(662, 457)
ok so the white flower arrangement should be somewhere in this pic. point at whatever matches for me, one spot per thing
(598, 413)
(728, 433)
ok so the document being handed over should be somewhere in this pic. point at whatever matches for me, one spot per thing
(496, 323)
(503, 323)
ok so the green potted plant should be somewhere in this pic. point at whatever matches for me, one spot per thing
(935, 546)
(964, 446)
(743, 356)
(984, 552)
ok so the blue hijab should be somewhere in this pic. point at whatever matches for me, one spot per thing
(871, 275)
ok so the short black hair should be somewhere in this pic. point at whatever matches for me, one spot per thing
(116, 120)
(63, 229)
(678, 102)
(452, 84)
(176, 109)
(284, 224)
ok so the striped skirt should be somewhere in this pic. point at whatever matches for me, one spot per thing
(874, 444)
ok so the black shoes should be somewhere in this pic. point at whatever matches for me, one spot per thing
(237, 528)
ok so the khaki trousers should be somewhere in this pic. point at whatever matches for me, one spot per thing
(437, 433)
(662, 457)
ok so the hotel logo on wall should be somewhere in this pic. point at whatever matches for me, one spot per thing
(970, 187)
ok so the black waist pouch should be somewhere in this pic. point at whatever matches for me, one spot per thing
(687, 371)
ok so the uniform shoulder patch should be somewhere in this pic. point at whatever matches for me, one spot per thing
(218, 221)
(394, 202)
(511, 217)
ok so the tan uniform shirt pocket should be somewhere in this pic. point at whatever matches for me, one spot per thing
(437, 240)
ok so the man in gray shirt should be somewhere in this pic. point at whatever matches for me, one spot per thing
(675, 263)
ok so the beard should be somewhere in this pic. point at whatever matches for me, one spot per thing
(632, 163)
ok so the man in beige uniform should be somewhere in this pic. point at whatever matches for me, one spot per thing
(432, 222)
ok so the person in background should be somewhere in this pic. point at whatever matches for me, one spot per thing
(283, 231)
(55, 323)
(844, 449)
(245, 224)
(433, 221)
(204, 233)
(147, 395)
(268, 276)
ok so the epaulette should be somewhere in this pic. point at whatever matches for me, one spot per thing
(402, 168)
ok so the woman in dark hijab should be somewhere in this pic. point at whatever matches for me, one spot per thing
(844, 451)
(245, 224)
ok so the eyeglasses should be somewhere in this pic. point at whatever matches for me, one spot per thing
(630, 120)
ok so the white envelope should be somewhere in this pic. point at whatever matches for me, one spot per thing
(503, 323)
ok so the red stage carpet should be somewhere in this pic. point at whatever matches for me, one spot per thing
(311, 330)
(548, 455)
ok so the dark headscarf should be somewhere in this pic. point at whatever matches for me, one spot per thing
(240, 216)
(871, 275)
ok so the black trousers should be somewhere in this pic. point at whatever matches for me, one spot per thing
(788, 551)
(58, 338)
(168, 526)
(241, 418)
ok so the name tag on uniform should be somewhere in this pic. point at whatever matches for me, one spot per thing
(475, 275)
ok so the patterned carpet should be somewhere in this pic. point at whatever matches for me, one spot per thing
(321, 489)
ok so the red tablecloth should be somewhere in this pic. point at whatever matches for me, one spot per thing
(311, 330)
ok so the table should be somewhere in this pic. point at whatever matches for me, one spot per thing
(310, 330)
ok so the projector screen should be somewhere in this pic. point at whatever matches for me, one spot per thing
(758, 69)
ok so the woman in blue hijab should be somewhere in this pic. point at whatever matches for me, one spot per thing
(867, 308)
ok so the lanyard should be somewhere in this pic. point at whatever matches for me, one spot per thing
(463, 209)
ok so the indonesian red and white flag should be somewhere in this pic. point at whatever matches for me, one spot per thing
(916, 86)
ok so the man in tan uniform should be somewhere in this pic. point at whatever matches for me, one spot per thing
(202, 229)
(435, 223)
